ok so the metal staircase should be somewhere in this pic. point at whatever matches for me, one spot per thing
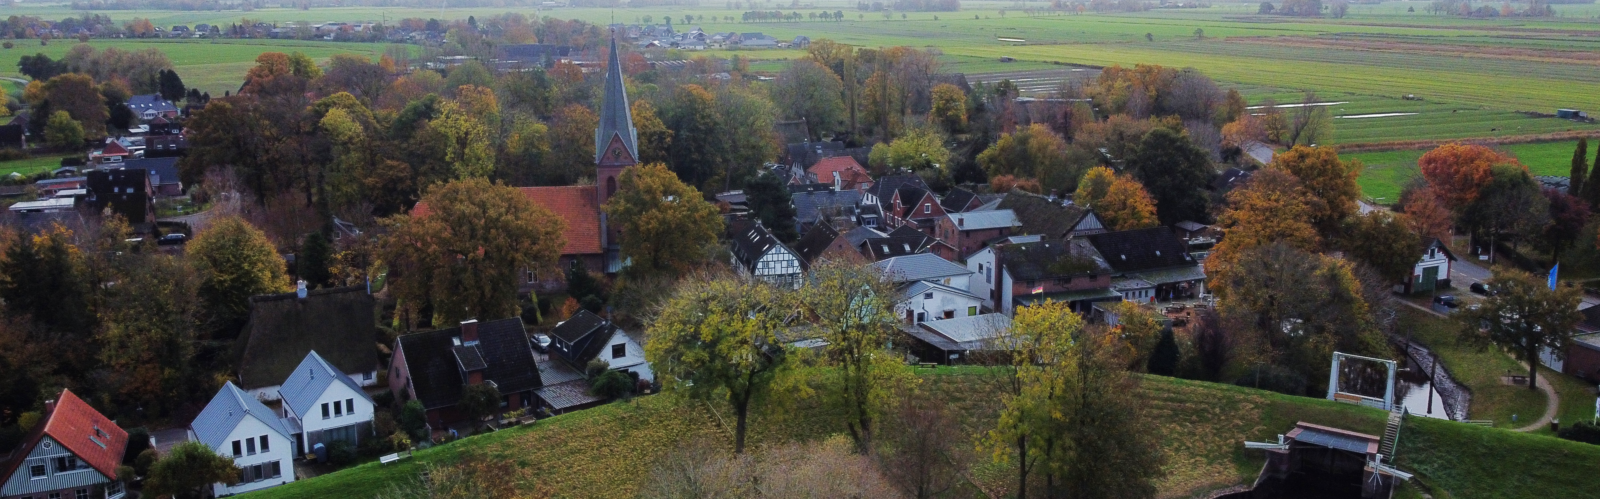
(1391, 433)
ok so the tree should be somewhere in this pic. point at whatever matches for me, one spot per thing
(1511, 202)
(1591, 189)
(1126, 206)
(1325, 177)
(314, 260)
(40, 67)
(1568, 216)
(151, 325)
(63, 132)
(668, 224)
(462, 248)
(1427, 215)
(1309, 122)
(1173, 169)
(718, 338)
(1385, 242)
(949, 107)
(1522, 314)
(45, 279)
(770, 201)
(479, 401)
(187, 468)
(809, 91)
(467, 141)
(1093, 186)
(654, 137)
(572, 129)
(236, 262)
(1296, 308)
(922, 449)
(1164, 359)
(171, 86)
(414, 420)
(302, 66)
(853, 312)
(77, 95)
(1035, 152)
(1458, 171)
(696, 147)
(1580, 160)
(1271, 208)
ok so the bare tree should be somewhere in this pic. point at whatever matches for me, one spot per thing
(920, 452)
(1310, 122)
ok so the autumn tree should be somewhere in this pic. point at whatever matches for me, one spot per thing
(667, 225)
(1331, 181)
(654, 137)
(187, 469)
(302, 66)
(922, 445)
(45, 279)
(852, 310)
(1296, 308)
(236, 261)
(1522, 314)
(62, 132)
(949, 107)
(1568, 216)
(1173, 169)
(1308, 122)
(1035, 152)
(717, 337)
(572, 128)
(746, 120)
(77, 95)
(151, 325)
(1093, 186)
(1271, 208)
(1385, 242)
(468, 150)
(463, 247)
(696, 145)
(1127, 206)
(1591, 190)
(809, 91)
(1458, 171)
(1511, 203)
(1427, 215)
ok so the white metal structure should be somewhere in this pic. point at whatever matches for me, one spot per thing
(1388, 386)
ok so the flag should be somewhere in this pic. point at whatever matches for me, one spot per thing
(1553, 276)
(1038, 290)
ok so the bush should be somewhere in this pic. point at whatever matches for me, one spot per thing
(341, 453)
(372, 447)
(126, 474)
(138, 442)
(384, 424)
(1164, 359)
(1581, 432)
(383, 399)
(1274, 378)
(596, 368)
(612, 384)
(414, 420)
(146, 459)
(12, 154)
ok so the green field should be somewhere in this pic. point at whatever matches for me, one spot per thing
(1386, 172)
(212, 66)
(30, 166)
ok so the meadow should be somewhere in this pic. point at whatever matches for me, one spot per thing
(1387, 171)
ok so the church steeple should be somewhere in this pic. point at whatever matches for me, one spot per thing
(616, 142)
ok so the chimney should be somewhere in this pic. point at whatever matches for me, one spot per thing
(49, 407)
(469, 332)
(836, 181)
(961, 221)
(300, 289)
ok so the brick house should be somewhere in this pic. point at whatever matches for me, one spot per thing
(434, 367)
(964, 233)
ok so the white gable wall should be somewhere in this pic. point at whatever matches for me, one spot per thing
(281, 450)
(336, 392)
(632, 358)
(932, 309)
(984, 275)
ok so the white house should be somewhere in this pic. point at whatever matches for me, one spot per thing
(924, 301)
(237, 425)
(1431, 272)
(924, 267)
(325, 404)
(986, 277)
(585, 337)
(757, 253)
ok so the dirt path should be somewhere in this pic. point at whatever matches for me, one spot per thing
(1552, 403)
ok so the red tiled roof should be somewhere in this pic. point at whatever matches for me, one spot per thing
(113, 149)
(574, 203)
(851, 173)
(72, 424)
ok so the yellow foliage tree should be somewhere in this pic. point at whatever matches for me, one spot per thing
(667, 225)
(1094, 185)
(1326, 178)
(1127, 206)
(1272, 207)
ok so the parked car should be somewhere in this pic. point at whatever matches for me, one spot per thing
(1448, 301)
(541, 342)
(172, 239)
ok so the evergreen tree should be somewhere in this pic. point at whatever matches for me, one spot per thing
(171, 85)
(1591, 190)
(1579, 160)
(1164, 360)
(314, 260)
(770, 201)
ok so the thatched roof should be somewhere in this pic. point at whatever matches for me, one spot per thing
(338, 323)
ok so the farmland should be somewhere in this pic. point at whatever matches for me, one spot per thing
(1386, 172)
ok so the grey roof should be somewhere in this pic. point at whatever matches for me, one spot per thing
(808, 206)
(226, 410)
(162, 170)
(1041, 215)
(980, 220)
(615, 117)
(337, 323)
(469, 358)
(919, 267)
(567, 395)
(971, 331)
(957, 200)
(861, 233)
(1045, 259)
(310, 380)
(1190, 225)
(1333, 439)
(815, 242)
(141, 103)
(1141, 249)
(919, 287)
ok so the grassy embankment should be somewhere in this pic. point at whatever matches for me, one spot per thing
(607, 451)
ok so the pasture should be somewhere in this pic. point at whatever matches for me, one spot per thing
(1387, 171)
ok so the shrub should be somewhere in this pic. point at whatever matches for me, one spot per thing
(8, 45)
(612, 384)
(383, 423)
(146, 459)
(1164, 359)
(596, 368)
(414, 420)
(126, 474)
(12, 154)
(341, 453)
(1581, 432)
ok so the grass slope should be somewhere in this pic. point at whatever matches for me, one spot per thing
(1480, 371)
(1468, 461)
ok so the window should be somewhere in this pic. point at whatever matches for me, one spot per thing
(114, 488)
(971, 311)
(350, 406)
(238, 449)
(324, 416)
(619, 350)
(922, 316)
(36, 470)
(55, 495)
(927, 207)
(927, 296)
(366, 376)
(69, 463)
(250, 446)
(338, 409)
(264, 445)
(274, 470)
(82, 494)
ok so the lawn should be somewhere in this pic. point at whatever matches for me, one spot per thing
(1480, 371)
(1387, 171)
(32, 165)
(1469, 461)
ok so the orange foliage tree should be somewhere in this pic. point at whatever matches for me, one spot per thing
(1272, 207)
(1427, 215)
(1327, 178)
(1127, 206)
(1459, 171)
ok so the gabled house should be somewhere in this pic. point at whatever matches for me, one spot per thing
(110, 153)
(339, 324)
(262, 445)
(1432, 271)
(758, 253)
(882, 194)
(916, 207)
(73, 451)
(843, 173)
(325, 404)
(923, 267)
(433, 367)
(1150, 265)
(1032, 270)
(824, 241)
(960, 200)
(1049, 217)
(586, 337)
(837, 208)
(958, 340)
(164, 181)
(899, 242)
(931, 288)
(148, 106)
(124, 191)
(964, 233)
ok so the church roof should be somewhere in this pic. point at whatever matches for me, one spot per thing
(616, 120)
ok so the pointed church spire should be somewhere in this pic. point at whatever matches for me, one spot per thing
(616, 119)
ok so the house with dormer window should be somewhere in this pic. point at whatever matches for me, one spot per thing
(73, 452)
(434, 367)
